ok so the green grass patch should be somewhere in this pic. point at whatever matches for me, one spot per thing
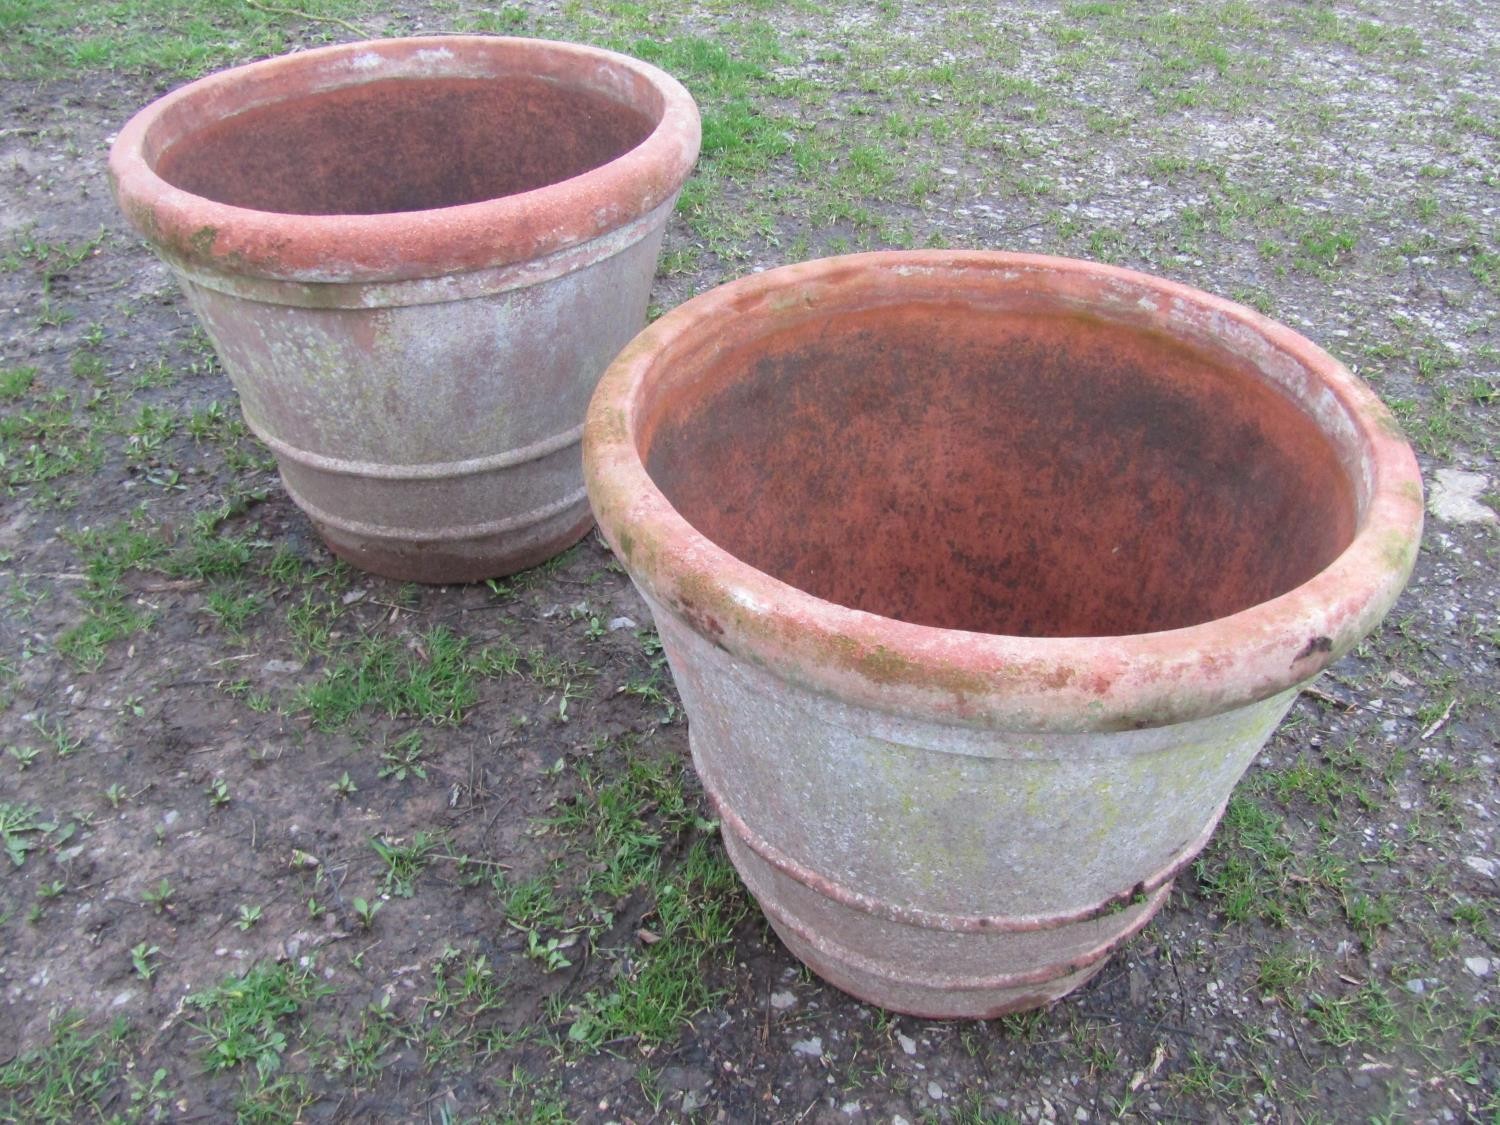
(429, 677)
(1249, 866)
(46, 437)
(246, 1019)
(623, 830)
(65, 1080)
(42, 39)
(667, 983)
(108, 554)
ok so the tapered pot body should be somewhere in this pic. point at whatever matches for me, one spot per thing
(983, 578)
(415, 257)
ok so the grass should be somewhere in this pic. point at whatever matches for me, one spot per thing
(429, 678)
(668, 983)
(108, 554)
(624, 828)
(1248, 869)
(246, 1019)
(65, 1080)
(184, 38)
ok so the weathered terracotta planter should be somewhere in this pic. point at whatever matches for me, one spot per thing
(983, 577)
(415, 257)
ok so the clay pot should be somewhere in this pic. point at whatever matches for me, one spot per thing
(415, 257)
(983, 577)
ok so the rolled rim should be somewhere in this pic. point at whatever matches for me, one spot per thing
(197, 232)
(984, 679)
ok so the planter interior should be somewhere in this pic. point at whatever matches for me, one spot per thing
(1023, 472)
(402, 144)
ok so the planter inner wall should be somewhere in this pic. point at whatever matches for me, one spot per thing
(1015, 470)
(400, 144)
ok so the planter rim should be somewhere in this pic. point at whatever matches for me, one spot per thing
(1085, 683)
(196, 232)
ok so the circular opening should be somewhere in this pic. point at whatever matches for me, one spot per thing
(1026, 472)
(402, 144)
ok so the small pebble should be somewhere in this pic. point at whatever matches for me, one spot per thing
(908, 1044)
(1480, 865)
(1479, 966)
(781, 1001)
(811, 1048)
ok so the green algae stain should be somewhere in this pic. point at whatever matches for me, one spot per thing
(1399, 551)
(201, 242)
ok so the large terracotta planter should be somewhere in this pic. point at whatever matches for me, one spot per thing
(415, 257)
(983, 577)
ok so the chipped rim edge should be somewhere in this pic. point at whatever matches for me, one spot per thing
(984, 679)
(195, 231)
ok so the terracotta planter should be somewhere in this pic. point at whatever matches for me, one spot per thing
(415, 257)
(983, 577)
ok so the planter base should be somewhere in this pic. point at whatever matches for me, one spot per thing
(451, 562)
(928, 971)
(943, 1002)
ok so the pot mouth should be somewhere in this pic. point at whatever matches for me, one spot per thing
(397, 159)
(1003, 488)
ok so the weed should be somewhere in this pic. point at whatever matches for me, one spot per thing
(403, 757)
(247, 916)
(159, 897)
(142, 960)
(404, 862)
(548, 953)
(364, 910)
(360, 1056)
(63, 744)
(24, 755)
(21, 827)
(344, 787)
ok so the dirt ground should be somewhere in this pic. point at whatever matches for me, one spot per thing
(290, 842)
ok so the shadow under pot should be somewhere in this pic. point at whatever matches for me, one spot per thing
(414, 258)
(983, 577)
